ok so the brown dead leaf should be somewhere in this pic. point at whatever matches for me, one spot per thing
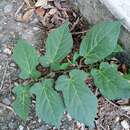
(43, 3)
(27, 16)
(52, 11)
(29, 3)
(40, 12)
(40, 3)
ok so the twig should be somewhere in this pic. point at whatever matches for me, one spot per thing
(102, 127)
(77, 33)
(112, 103)
(6, 106)
(118, 108)
(2, 82)
(75, 23)
(27, 3)
(19, 9)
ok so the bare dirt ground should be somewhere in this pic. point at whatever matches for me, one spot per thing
(19, 20)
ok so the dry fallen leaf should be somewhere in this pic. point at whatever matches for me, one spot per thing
(40, 12)
(41, 3)
(28, 15)
(52, 11)
(28, 2)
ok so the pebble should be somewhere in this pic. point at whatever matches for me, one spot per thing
(125, 125)
(117, 119)
(7, 51)
(12, 65)
(6, 101)
(12, 125)
(69, 117)
(36, 29)
(8, 8)
(21, 127)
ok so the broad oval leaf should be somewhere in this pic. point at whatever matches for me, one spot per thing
(118, 49)
(49, 105)
(100, 41)
(22, 103)
(80, 102)
(111, 84)
(59, 43)
(26, 58)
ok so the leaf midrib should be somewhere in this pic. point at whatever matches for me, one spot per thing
(76, 93)
(27, 61)
(91, 50)
(23, 101)
(61, 41)
(44, 90)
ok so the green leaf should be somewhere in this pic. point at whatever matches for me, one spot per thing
(59, 43)
(111, 84)
(80, 101)
(22, 103)
(75, 57)
(64, 66)
(49, 105)
(118, 48)
(26, 58)
(127, 76)
(58, 66)
(100, 41)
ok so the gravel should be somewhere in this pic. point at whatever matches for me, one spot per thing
(8, 8)
(10, 31)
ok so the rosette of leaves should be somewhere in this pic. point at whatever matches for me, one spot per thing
(76, 98)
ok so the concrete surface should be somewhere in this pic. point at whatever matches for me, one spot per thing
(96, 10)
(120, 9)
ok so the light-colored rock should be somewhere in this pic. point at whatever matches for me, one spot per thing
(120, 9)
(6, 101)
(125, 125)
(21, 127)
(8, 8)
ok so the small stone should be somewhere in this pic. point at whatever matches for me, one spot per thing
(7, 51)
(125, 108)
(39, 120)
(6, 101)
(8, 8)
(12, 65)
(69, 117)
(36, 29)
(52, 11)
(125, 125)
(117, 119)
(12, 125)
(21, 127)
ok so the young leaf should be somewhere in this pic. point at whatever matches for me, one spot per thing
(49, 105)
(59, 43)
(118, 48)
(127, 76)
(80, 101)
(59, 66)
(100, 41)
(75, 57)
(26, 58)
(111, 84)
(22, 103)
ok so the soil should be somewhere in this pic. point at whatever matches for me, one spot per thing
(15, 23)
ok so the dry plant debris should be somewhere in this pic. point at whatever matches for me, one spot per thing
(52, 13)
